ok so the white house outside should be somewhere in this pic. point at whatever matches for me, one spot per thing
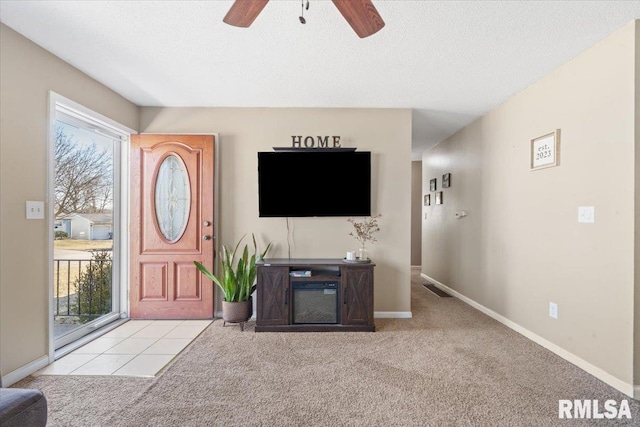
(62, 225)
(98, 226)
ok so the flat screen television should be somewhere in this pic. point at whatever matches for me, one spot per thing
(309, 183)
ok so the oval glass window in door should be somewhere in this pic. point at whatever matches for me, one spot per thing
(172, 198)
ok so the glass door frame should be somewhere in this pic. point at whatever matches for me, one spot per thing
(120, 254)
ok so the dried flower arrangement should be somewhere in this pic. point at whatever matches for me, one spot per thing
(365, 230)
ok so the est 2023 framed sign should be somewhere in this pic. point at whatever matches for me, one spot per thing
(545, 150)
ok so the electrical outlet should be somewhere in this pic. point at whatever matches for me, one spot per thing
(586, 214)
(553, 310)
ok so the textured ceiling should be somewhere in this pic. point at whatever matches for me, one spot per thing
(450, 61)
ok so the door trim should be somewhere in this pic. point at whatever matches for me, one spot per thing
(217, 293)
(57, 101)
(197, 138)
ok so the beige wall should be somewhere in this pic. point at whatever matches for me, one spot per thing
(521, 246)
(416, 213)
(245, 132)
(637, 215)
(27, 73)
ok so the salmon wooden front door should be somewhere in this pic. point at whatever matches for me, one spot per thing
(171, 226)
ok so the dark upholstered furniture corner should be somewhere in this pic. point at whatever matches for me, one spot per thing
(21, 407)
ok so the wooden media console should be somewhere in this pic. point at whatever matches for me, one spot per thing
(314, 295)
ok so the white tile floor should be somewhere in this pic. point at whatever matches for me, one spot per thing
(139, 348)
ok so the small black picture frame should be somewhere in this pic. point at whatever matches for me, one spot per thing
(427, 199)
(446, 180)
(433, 184)
(439, 199)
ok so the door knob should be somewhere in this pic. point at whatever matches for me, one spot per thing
(206, 223)
(206, 237)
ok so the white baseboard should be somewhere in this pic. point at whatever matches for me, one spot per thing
(636, 392)
(614, 382)
(24, 371)
(392, 315)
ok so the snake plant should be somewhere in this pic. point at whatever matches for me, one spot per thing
(238, 280)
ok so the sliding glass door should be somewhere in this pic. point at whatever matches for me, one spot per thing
(86, 212)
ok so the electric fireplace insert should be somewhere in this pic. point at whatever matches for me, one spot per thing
(315, 302)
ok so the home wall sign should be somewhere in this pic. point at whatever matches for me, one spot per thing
(298, 141)
(545, 150)
(316, 143)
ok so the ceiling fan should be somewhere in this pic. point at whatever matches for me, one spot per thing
(360, 14)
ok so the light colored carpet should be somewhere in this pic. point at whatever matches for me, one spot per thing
(449, 365)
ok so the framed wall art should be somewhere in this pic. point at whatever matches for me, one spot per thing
(446, 180)
(433, 184)
(545, 151)
(439, 200)
(427, 199)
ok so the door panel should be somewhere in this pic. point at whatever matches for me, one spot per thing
(153, 281)
(187, 284)
(171, 216)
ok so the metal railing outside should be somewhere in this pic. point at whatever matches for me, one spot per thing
(82, 288)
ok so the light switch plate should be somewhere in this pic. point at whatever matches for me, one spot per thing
(586, 214)
(35, 210)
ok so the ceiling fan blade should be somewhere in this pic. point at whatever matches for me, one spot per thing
(361, 15)
(244, 12)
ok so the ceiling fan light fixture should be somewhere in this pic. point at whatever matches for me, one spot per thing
(361, 15)
(301, 17)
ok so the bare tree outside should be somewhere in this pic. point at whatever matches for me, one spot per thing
(83, 226)
(83, 176)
